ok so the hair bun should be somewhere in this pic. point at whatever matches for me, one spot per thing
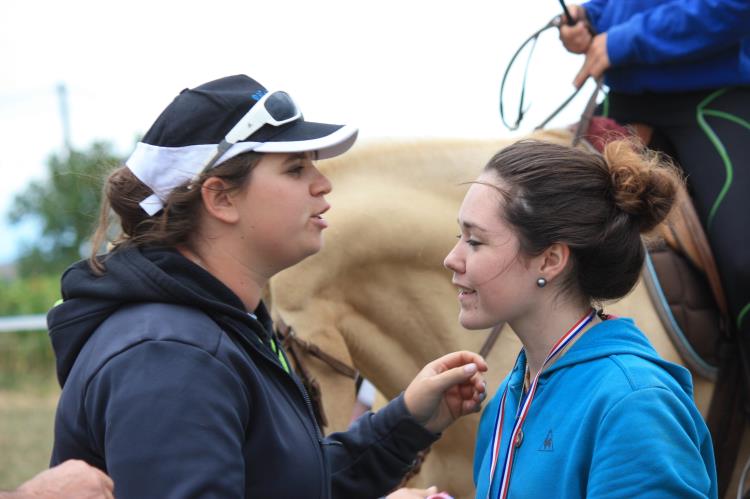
(644, 183)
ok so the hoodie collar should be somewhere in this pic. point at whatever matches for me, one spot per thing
(134, 275)
(615, 336)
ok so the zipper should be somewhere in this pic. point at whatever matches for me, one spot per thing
(266, 353)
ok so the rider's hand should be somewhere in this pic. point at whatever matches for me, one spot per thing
(597, 61)
(446, 389)
(576, 38)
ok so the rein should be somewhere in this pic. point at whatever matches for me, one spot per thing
(555, 22)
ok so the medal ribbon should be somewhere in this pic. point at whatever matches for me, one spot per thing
(523, 410)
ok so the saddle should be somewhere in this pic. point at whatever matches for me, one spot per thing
(680, 271)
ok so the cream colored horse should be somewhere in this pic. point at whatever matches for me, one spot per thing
(378, 298)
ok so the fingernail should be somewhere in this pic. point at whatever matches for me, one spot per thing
(482, 396)
(470, 368)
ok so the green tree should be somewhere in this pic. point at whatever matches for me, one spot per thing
(66, 205)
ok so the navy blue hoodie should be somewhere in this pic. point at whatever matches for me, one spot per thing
(171, 388)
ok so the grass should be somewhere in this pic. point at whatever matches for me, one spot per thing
(26, 360)
(28, 397)
(26, 427)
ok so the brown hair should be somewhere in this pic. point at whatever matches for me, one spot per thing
(122, 193)
(599, 205)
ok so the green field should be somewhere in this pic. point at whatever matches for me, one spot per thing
(26, 421)
(28, 396)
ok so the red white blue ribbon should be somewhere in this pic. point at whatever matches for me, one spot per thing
(522, 412)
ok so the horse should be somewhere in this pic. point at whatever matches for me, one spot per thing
(376, 299)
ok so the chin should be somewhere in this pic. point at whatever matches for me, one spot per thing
(476, 323)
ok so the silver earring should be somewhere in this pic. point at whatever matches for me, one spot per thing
(541, 282)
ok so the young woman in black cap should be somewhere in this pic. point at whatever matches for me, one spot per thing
(173, 380)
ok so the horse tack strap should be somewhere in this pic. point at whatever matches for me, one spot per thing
(289, 338)
(588, 113)
(684, 232)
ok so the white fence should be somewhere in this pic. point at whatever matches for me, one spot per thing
(23, 323)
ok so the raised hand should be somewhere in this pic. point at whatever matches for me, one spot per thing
(597, 60)
(446, 389)
(577, 37)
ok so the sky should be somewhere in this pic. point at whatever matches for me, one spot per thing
(393, 68)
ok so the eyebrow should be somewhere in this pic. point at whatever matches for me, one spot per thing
(469, 225)
(295, 157)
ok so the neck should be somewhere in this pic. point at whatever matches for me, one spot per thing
(539, 331)
(220, 262)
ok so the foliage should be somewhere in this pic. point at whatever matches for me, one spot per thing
(66, 204)
(31, 295)
(26, 358)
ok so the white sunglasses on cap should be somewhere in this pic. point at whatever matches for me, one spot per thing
(274, 108)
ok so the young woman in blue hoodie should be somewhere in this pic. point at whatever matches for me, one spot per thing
(173, 380)
(548, 232)
(682, 69)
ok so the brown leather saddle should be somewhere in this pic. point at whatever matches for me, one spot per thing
(680, 271)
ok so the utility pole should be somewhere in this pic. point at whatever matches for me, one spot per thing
(62, 94)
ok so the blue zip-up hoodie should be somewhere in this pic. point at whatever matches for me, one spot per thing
(610, 419)
(174, 390)
(674, 45)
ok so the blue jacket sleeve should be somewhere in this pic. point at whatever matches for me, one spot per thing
(379, 448)
(650, 445)
(594, 10)
(679, 30)
(169, 418)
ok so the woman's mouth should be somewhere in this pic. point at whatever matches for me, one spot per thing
(465, 293)
(319, 221)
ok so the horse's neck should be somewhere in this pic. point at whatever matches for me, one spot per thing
(392, 220)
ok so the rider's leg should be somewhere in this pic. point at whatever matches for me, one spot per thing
(709, 133)
(713, 149)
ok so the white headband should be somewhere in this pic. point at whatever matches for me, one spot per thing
(163, 169)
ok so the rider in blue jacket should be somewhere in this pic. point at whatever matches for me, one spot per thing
(682, 67)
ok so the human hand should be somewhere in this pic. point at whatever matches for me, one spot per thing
(597, 61)
(446, 389)
(72, 478)
(431, 492)
(577, 37)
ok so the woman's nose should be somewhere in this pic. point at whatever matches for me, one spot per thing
(453, 262)
(320, 185)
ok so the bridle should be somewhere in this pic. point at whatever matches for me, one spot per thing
(296, 348)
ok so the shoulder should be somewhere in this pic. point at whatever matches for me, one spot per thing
(621, 375)
(144, 333)
(627, 391)
(133, 324)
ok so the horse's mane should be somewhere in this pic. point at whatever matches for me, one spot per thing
(396, 200)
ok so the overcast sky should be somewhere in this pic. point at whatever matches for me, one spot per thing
(394, 68)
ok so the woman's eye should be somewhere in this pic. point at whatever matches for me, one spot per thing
(471, 242)
(296, 170)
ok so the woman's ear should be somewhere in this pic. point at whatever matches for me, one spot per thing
(218, 200)
(554, 260)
